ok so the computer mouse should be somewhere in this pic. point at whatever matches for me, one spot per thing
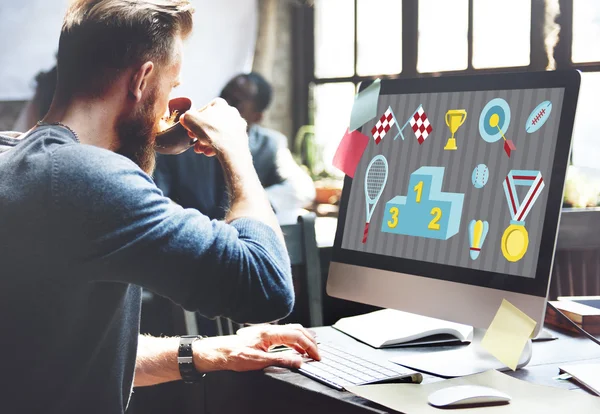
(466, 395)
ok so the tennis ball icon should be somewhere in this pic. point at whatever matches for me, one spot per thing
(480, 176)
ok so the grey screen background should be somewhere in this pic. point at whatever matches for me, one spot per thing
(534, 152)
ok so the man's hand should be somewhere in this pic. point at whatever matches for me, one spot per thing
(219, 128)
(249, 349)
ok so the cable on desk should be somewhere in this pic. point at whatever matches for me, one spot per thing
(577, 327)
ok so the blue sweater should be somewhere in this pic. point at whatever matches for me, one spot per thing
(81, 230)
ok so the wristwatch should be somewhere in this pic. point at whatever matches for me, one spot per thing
(185, 359)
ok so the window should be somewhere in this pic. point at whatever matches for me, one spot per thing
(333, 104)
(443, 29)
(379, 37)
(586, 148)
(356, 40)
(586, 31)
(501, 33)
(334, 38)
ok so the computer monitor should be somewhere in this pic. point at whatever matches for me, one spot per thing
(455, 203)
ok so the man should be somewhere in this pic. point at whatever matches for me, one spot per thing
(288, 187)
(82, 227)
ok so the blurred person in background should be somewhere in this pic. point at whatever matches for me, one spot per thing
(198, 182)
(38, 106)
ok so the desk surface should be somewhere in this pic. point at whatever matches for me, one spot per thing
(283, 391)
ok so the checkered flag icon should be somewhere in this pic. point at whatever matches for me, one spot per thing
(383, 126)
(420, 125)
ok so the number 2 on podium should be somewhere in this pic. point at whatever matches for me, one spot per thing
(394, 221)
(437, 213)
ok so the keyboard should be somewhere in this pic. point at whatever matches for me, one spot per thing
(339, 369)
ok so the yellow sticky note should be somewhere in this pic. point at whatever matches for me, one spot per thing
(508, 333)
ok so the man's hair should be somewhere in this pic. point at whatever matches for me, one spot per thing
(264, 91)
(261, 96)
(100, 38)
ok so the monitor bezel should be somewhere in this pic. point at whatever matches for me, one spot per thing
(538, 286)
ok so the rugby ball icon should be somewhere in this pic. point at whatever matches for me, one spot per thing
(538, 117)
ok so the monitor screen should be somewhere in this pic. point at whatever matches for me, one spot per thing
(458, 178)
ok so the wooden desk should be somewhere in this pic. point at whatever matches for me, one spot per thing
(278, 390)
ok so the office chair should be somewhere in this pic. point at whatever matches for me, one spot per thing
(302, 247)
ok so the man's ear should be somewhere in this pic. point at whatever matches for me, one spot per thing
(139, 80)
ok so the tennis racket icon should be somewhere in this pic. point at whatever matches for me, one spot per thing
(375, 180)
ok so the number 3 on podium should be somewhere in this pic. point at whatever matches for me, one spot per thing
(394, 221)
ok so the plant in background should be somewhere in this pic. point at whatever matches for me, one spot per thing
(306, 151)
(309, 153)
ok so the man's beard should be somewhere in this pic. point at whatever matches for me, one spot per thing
(137, 134)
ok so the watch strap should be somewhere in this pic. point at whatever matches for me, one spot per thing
(185, 361)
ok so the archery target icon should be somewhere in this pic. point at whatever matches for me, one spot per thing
(494, 122)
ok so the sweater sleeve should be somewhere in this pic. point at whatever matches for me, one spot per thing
(119, 227)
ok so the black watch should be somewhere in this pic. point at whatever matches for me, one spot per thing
(185, 359)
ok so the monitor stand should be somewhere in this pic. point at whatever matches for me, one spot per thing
(460, 361)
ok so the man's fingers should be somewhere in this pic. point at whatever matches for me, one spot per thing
(304, 331)
(297, 340)
(297, 348)
(281, 359)
(207, 151)
(210, 152)
(202, 143)
(309, 347)
(253, 359)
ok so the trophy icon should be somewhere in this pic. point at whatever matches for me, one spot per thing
(454, 119)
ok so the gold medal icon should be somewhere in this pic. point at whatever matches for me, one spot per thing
(515, 241)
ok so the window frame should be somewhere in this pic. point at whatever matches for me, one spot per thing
(304, 46)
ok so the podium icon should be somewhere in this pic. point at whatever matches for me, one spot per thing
(425, 211)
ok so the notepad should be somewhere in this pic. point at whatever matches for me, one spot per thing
(587, 375)
(392, 328)
(350, 151)
(365, 105)
(508, 334)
